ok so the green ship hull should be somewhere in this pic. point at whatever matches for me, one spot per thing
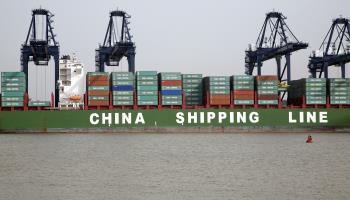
(175, 120)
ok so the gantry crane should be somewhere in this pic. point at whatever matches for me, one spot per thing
(117, 43)
(40, 45)
(275, 41)
(334, 50)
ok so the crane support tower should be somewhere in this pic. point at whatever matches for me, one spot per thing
(40, 45)
(275, 40)
(334, 50)
(117, 43)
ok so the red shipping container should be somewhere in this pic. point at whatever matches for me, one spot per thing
(266, 78)
(98, 93)
(220, 97)
(268, 97)
(219, 102)
(98, 78)
(97, 83)
(98, 103)
(171, 83)
(244, 97)
(243, 92)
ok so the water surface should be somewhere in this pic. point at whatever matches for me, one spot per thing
(174, 166)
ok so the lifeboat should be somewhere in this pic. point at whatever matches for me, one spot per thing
(75, 98)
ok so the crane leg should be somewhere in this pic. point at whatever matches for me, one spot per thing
(343, 70)
(57, 62)
(278, 61)
(288, 67)
(131, 62)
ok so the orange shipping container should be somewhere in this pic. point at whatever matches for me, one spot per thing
(243, 97)
(97, 83)
(266, 78)
(225, 96)
(98, 78)
(98, 103)
(219, 102)
(171, 83)
(98, 93)
(243, 92)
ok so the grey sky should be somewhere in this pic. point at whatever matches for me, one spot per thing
(196, 36)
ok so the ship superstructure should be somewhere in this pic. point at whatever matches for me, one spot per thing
(71, 82)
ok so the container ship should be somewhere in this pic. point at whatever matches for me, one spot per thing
(152, 101)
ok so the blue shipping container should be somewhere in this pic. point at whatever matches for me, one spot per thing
(171, 92)
(122, 88)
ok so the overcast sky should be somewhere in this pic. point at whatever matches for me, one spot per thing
(195, 36)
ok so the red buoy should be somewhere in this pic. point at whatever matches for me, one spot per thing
(309, 139)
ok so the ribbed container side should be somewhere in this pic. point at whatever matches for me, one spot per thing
(267, 89)
(98, 88)
(146, 73)
(13, 86)
(339, 90)
(314, 90)
(39, 103)
(12, 74)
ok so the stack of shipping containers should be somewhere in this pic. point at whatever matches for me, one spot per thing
(218, 89)
(97, 84)
(122, 86)
(192, 86)
(243, 89)
(313, 89)
(170, 84)
(267, 90)
(339, 90)
(13, 85)
(147, 88)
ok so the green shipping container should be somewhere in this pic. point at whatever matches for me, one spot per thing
(140, 92)
(12, 104)
(123, 93)
(340, 101)
(172, 97)
(267, 102)
(102, 88)
(150, 103)
(147, 98)
(123, 103)
(123, 98)
(191, 81)
(147, 78)
(20, 80)
(243, 102)
(12, 74)
(171, 87)
(174, 102)
(321, 102)
(39, 103)
(146, 73)
(219, 92)
(147, 87)
(152, 83)
(12, 94)
(99, 98)
(269, 92)
(12, 84)
(12, 89)
(124, 82)
(243, 77)
(192, 76)
(19, 98)
(219, 87)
